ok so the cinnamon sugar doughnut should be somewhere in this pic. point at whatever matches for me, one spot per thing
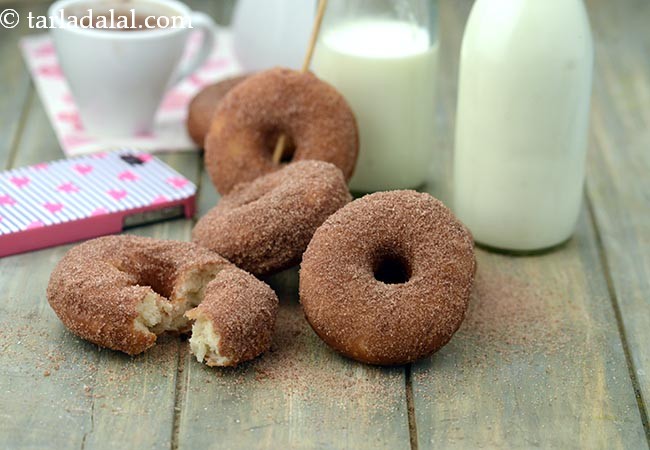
(265, 226)
(120, 292)
(203, 106)
(386, 279)
(235, 321)
(316, 119)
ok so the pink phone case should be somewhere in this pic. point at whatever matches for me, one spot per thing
(80, 198)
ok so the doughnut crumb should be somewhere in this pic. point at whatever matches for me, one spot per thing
(205, 342)
(151, 314)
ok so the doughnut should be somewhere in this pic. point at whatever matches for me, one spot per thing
(264, 226)
(203, 106)
(315, 118)
(235, 321)
(386, 280)
(121, 292)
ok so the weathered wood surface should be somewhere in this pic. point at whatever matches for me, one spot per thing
(618, 180)
(553, 354)
(538, 362)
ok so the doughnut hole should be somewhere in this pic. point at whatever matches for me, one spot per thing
(391, 267)
(150, 274)
(271, 138)
(205, 341)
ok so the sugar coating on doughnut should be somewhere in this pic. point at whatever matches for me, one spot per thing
(264, 226)
(204, 104)
(252, 116)
(235, 321)
(121, 292)
(395, 317)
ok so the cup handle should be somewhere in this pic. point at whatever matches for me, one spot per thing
(206, 25)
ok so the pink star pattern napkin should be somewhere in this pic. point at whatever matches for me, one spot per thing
(169, 133)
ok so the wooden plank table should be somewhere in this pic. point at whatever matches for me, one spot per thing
(554, 352)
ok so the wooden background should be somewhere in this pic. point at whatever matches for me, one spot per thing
(554, 352)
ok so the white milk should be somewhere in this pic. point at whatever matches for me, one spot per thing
(386, 71)
(521, 131)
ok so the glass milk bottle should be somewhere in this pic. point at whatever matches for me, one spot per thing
(382, 55)
(521, 129)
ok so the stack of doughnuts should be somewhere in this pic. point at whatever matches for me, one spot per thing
(269, 211)
(384, 279)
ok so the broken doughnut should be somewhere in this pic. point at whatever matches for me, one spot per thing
(121, 292)
(235, 321)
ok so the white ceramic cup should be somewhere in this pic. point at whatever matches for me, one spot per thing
(118, 78)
